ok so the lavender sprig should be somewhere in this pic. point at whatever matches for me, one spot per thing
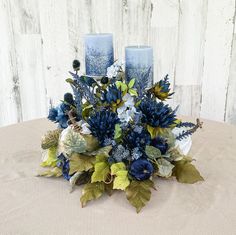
(189, 132)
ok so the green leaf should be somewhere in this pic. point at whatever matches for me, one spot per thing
(51, 158)
(152, 152)
(86, 111)
(121, 180)
(118, 84)
(133, 92)
(164, 168)
(101, 171)
(70, 80)
(120, 166)
(138, 193)
(118, 132)
(153, 131)
(124, 87)
(175, 154)
(91, 143)
(102, 151)
(80, 162)
(55, 172)
(131, 83)
(92, 191)
(185, 172)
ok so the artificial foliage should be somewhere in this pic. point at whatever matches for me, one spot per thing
(115, 134)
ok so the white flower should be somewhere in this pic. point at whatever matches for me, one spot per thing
(127, 111)
(113, 70)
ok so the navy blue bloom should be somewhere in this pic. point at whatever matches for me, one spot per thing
(162, 89)
(111, 95)
(102, 125)
(141, 169)
(157, 114)
(52, 114)
(161, 144)
(60, 113)
(137, 138)
(64, 164)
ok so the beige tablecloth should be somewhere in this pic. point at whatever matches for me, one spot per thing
(33, 205)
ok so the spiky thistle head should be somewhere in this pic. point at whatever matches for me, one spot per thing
(157, 114)
(112, 95)
(135, 138)
(102, 125)
(161, 89)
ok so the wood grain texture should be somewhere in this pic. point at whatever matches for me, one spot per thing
(217, 57)
(193, 41)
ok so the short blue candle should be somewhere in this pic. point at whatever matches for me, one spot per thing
(139, 64)
(99, 53)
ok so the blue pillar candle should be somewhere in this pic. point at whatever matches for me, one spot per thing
(99, 53)
(139, 64)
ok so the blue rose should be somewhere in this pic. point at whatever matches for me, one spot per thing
(141, 169)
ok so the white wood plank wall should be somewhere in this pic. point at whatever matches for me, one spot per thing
(194, 42)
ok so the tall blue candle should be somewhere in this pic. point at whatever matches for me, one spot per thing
(139, 64)
(99, 53)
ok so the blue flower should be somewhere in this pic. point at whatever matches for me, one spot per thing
(162, 89)
(120, 153)
(157, 114)
(112, 95)
(52, 114)
(141, 169)
(60, 113)
(161, 144)
(102, 125)
(64, 164)
(137, 137)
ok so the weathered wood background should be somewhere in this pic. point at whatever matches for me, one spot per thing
(194, 42)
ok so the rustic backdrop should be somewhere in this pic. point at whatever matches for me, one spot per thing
(194, 42)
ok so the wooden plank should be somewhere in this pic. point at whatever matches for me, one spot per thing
(190, 56)
(25, 16)
(219, 34)
(79, 23)
(30, 70)
(230, 108)
(164, 38)
(27, 42)
(57, 55)
(10, 100)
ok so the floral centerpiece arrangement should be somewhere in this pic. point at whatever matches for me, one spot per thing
(115, 134)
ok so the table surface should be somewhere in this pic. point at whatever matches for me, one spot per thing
(35, 205)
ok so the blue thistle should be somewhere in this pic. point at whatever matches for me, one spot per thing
(161, 89)
(157, 114)
(161, 144)
(102, 125)
(137, 138)
(112, 95)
